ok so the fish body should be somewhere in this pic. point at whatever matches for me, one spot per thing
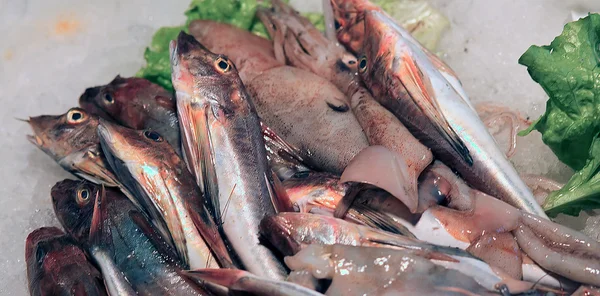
(404, 80)
(71, 140)
(224, 145)
(135, 103)
(306, 110)
(57, 266)
(151, 169)
(356, 270)
(121, 239)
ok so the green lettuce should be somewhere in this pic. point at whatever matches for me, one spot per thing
(568, 71)
(240, 13)
(582, 192)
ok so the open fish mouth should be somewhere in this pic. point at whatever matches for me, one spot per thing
(35, 140)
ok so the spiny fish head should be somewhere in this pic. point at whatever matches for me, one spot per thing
(59, 135)
(73, 202)
(378, 57)
(205, 77)
(121, 99)
(142, 147)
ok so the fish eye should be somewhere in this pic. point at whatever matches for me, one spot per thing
(108, 98)
(301, 175)
(83, 196)
(337, 25)
(223, 64)
(362, 64)
(75, 116)
(154, 136)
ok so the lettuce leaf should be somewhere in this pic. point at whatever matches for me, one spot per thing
(240, 13)
(568, 71)
(582, 192)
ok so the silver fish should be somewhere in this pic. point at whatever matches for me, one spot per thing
(224, 146)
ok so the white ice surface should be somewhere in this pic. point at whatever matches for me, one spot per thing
(51, 50)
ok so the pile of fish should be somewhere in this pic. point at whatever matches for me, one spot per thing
(297, 166)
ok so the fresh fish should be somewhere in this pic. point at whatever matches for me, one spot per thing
(71, 140)
(135, 103)
(224, 145)
(291, 232)
(131, 254)
(404, 80)
(245, 282)
(306, 47)
(349, 18)
(320, 193)
(356, 270)
(484, 226)
(57, 266)
(151, 169)
(73, 202)
(306, 110)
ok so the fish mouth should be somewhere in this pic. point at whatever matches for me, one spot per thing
(187, 43)
(36, 128)
(35, 140)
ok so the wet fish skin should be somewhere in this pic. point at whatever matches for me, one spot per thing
(356, 270)
(71, 140)
(135, 103)
(129, 250)
(150, 168)
(405, 81)
(224, 142)
(245, 282)
(57, 266)
(286, 96)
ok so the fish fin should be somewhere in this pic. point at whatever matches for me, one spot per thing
(100, 228)
(420, 89)
(378, 220)
(90, 164)
(135, 193)
(284, 149)
(198, 155)
(207, 165)
(209, 231)
(155, 238)
(346, 202)
(279, 197)
(222, 276)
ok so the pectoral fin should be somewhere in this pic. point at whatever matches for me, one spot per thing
(420, 90)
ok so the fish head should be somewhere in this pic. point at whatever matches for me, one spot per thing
(377, 58)
(349, 16)
(104, 100)
(203, 78)
(57, 266)
(279, 229)
(60, 135)
(125, 100)
(138, 148)
(73, 203)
